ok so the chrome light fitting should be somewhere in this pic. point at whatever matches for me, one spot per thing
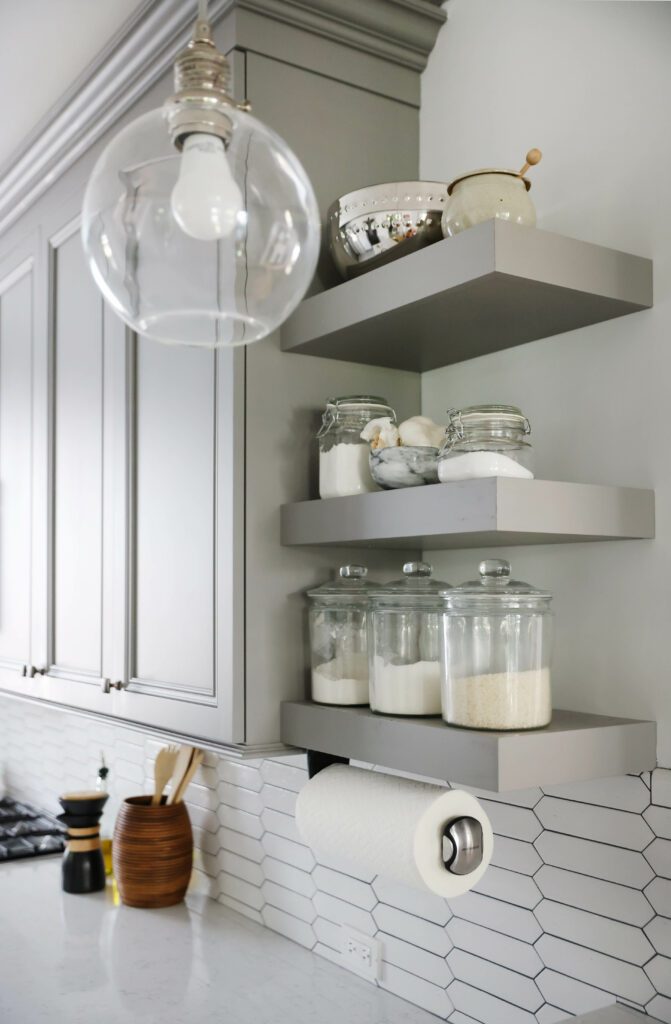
(199, 223)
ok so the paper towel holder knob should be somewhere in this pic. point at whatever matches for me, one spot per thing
(462, 845)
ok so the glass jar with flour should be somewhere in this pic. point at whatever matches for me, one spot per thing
(486, 440)
(339, 639)
(343, 453)
(404, 640)
(496, 652)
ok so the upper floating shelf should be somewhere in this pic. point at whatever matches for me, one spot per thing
(489, 288)
(574, 747)
(474, 513)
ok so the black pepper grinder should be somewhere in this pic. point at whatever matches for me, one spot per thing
(83, 864)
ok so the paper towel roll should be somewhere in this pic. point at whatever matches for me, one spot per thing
(390, 825)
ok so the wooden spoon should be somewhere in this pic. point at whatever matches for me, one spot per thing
(164, 765)
(181, 767)
(534, 157)
(194, 765)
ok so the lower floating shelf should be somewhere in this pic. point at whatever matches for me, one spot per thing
(474, 513)
(575, 747)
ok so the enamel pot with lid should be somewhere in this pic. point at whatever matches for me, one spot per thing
(487, 194)
(496, 651)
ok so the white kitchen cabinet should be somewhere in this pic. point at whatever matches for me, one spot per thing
(141, 484)
(77, 461)
(139, 497)
(183, 652)
(17, 334)
(71, 380)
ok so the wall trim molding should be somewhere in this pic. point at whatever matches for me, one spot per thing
(400, 32)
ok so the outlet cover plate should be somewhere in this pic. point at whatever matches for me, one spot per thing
(361, 953)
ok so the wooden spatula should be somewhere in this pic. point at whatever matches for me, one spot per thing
(194, 765)
(164, 765)
(181, 767)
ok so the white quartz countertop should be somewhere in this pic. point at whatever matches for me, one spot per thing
(79, 959)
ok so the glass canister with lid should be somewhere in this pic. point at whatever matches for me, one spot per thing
(343, 453)
(497, 648)
(339, 638)
(404, 640)
(485, 441)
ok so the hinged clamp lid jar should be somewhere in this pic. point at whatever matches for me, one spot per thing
(343, 453)
(496, 652)
(338, 637)
(405, 636)
(484, 441)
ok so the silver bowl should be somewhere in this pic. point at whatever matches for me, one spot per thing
(404, 466)
(377, 224)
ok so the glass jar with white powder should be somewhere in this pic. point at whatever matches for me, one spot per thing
(486, 440)
(343, 454)
(339, 639)
(404, 640)
(497, 648)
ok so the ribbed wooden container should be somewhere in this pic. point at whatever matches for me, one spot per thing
(152, 852)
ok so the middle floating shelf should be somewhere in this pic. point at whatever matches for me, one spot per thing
(496, 511)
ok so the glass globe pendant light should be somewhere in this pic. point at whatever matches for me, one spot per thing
(199, 224)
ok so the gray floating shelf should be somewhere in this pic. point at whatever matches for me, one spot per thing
(574, 747)
(474, 513)
(489, 288)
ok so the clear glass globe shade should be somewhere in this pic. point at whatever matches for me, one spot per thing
(176, 288)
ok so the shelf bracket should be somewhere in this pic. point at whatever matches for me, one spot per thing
(317, 761)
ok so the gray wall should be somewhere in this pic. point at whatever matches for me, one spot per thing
(589, 83)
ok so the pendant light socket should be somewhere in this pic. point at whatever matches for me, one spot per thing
(201, 101)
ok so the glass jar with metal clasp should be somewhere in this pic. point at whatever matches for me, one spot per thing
(486, 441)
(343, 453)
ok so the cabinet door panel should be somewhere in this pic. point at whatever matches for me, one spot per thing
(77, 481)
(173, 624)
(186, 556)
(16, 345)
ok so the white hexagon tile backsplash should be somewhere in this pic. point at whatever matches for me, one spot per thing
(573, 914)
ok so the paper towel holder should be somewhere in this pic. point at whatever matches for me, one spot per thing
(463, 845)
(318, 761)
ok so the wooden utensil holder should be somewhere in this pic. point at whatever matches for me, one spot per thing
(152, 852)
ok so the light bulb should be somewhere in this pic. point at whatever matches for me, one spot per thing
(206, 200)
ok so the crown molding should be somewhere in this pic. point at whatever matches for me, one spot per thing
(398, 32)
(402, 32)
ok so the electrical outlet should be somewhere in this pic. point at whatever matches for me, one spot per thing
(361, 954)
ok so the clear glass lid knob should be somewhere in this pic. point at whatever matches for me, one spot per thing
(353, 572)
(415, 569)
(494, 570)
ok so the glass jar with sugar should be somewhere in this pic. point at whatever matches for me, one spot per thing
(404, 641)
(496, 652)
(486, 440)
(339, 638)
(343, 453)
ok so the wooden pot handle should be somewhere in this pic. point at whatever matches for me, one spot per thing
(534, 157)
